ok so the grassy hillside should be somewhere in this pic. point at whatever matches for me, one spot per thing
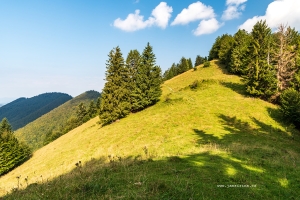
(211, 142)
(34, 133)
(25, 110)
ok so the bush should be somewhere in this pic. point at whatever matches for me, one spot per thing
(206, 64)
(290, 106)
(194, 84)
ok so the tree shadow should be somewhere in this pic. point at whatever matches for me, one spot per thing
(236, 87)
(221, 66)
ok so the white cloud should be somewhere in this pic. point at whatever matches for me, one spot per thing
(133, 22)
(195, 11)
(162, 14)
(233, 9)
(160, 17)
(278, 12)
(235, 2)
(207, 27)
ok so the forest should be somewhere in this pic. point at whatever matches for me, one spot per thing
(24, 110)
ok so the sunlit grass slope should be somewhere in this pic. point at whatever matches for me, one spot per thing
(211, 142)
(33, 134)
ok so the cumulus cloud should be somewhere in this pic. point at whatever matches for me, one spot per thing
(160, 17)
(236, 2)
(278, 12)
(234, 8)
(195, 11)
(207, 27)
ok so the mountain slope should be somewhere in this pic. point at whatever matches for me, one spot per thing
(34, 133)
(194, 144)
(25, 110)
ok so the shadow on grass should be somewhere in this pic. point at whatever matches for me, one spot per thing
(221, 66)
(236, 87)
(250, 163)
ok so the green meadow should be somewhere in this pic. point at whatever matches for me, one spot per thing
(205, 139)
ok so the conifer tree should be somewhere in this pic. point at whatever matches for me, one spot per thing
(190, 63)
(147, 91)
(92, 111)
(226, 43)
(115, 96)
(183, 65)
(239, 54)
(199, 60)
(261, 76)
(12, 153)
(132, 64)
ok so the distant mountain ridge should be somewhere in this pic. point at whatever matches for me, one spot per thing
(25, 110)
(34, 133)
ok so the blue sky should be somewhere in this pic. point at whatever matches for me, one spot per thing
(62, 45)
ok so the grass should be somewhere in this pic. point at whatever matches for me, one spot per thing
(210, 142)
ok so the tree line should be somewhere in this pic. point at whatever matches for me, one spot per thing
(131, 85)
(268, 62)
(184, 65)
(12, 152)
(83, 114)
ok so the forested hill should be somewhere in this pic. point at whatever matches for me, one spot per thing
(34, 133)
(1, 105)
(25, 110)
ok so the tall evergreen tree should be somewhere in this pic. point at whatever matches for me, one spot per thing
(132, 64)
(261, 76)
(92, 111)
(115, 96)
(183, 65)
(12, 153)
(214, 51)
(199, 60)
(147, 91)
(190, 63)
(239, 55)
(226, 44)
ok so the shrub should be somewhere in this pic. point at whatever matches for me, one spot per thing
(206, 64)
(290, 106)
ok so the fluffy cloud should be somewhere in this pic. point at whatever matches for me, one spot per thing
(234, 8)
(236, 2)
(207, 27)
(195, 11)
(278, 12)
(159, 17)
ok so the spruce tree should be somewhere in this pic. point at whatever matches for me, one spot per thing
(132, 64)
(239, 54)
(147, 91)
(190, 63)
(261, 75)
(226, 44)
(199, 60)
(92, 111)
(115, 96)
(12, 152)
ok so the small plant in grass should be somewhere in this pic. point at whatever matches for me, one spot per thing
(206, 64)
(194, 85)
